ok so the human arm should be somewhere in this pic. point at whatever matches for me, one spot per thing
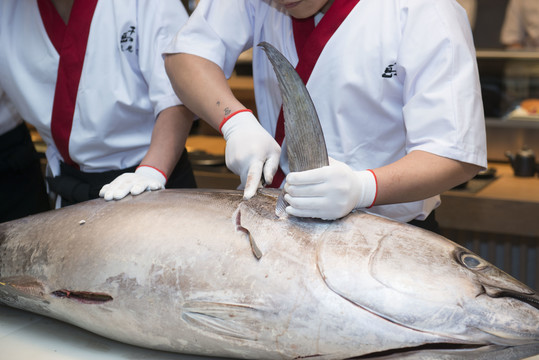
(168, 138)
(202, 86)
(333, 191)
(513, 28)
(420, 175)
(173, 121)
(167, 144)
(443, 125)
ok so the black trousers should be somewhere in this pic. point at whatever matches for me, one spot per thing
(22, 186)
(75, 186)
(429, 223)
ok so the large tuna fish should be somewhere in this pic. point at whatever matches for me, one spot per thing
(206, 272)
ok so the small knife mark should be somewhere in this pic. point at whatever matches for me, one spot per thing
(83, 296)
(254, 248)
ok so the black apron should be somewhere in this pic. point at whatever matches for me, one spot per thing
(429, 223)
(75, 186)
(22, 186)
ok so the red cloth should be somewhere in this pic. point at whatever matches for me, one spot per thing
(70, 42)
(310, 41)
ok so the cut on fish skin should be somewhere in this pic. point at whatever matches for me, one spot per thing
(85, 297)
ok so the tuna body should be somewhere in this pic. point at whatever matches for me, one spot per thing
(205, 272)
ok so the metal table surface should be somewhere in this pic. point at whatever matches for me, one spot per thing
(24, 335)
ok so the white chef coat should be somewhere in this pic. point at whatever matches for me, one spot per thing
(9, 118)
(123, 86)
(430, 99)
(471, 9)
(521, 24)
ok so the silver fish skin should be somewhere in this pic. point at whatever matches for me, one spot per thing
(175, 270)
(489, 352)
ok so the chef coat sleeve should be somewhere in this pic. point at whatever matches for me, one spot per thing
(443, 111)
(159, 22)
(218, 31)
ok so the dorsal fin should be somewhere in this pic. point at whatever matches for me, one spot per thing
(306, 147)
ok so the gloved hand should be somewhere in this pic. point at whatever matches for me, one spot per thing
(145, 178)
(250, 151)
(329, 192)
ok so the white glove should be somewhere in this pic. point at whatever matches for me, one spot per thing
(145, 178)
(329, 192)
(250, 150)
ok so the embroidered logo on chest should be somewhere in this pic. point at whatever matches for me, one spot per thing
(390, 71)
(127, 41)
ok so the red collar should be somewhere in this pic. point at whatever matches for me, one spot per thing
(70, 42)
(310, 41)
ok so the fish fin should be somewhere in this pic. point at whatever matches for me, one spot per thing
(26, 285)
(232, 320)
(305, 144)
(280, 208)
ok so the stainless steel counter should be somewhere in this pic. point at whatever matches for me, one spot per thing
(24, 335)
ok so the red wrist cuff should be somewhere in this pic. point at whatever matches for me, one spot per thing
(156, 169)
(230, 116)
(376, 193)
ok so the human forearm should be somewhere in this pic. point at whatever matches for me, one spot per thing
(169, 135)
(333, 191)
(420, 175)
(202, 86)
(167, 143)
(250, 150)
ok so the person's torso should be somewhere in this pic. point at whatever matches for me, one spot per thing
(115, 110)
(9, 118)
(358, 86)
(355, 85)
(384, 84)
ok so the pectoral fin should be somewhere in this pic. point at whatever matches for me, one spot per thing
(22, 285)
(237, 321)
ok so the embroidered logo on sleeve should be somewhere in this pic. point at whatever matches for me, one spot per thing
(127, 42)
(390, 71)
